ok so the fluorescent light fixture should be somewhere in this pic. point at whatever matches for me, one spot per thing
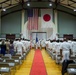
(50, 4)
(28, 4)
(4, 9)
(74, 9)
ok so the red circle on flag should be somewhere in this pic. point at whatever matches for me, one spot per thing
(46, 17)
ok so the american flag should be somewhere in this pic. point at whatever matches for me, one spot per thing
(33, 19)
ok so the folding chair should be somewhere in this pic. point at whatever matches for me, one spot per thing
(4, 69)
(5, 57)
(1, 55)
(21, 57)
(12, 65)
(17, 61)
(71, 70)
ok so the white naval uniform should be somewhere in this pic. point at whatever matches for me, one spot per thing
(28, 45)
(14, 44)
(57, 48)
(50, 45)
(43, 43)
(65, 46)
(74, 48)
(19, 47)
(46, 44)
(53, 46)
(24, 45)
(36, 45)
(39, 43)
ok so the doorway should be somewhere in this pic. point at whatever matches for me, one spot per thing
(39, 35)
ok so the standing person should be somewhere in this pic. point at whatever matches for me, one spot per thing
(42, 43)
(39, 44)
(56, 37)
(3, 48)
(11, 51)
(73, 48)
(19, 47)
(14, 44)
(7, 46)
(36, 42)
(65, 47)
(33, 43)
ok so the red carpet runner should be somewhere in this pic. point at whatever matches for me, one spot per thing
(38, 67)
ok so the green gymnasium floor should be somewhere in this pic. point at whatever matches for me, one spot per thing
(51, 67)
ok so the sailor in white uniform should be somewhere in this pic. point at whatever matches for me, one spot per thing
(74, 48)
(43, 43)
(39, 44)
(66, 47)
(20, 47)
(56, 36)
(15, 43)
(57, 48)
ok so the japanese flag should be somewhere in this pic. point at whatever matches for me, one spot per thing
(46, 18)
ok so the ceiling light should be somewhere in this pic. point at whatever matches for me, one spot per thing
(50, 4)
(4, 9)
(74, 9)
(28, 4)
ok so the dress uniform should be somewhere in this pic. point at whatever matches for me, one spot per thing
(65, 46)
(19, 47)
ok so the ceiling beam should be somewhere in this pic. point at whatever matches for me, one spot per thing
(56, 3)
(22, 3)
(73, 1)
(72, 6)
(69, 5)
(4, 1)
(62, 0)
(16, 0)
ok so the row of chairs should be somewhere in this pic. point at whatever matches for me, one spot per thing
(9, 65)
(71, 67)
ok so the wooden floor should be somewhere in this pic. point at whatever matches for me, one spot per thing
(51, 67)
(26, 66)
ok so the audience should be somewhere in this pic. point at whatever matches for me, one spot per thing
(62, 48)
(3, 47)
